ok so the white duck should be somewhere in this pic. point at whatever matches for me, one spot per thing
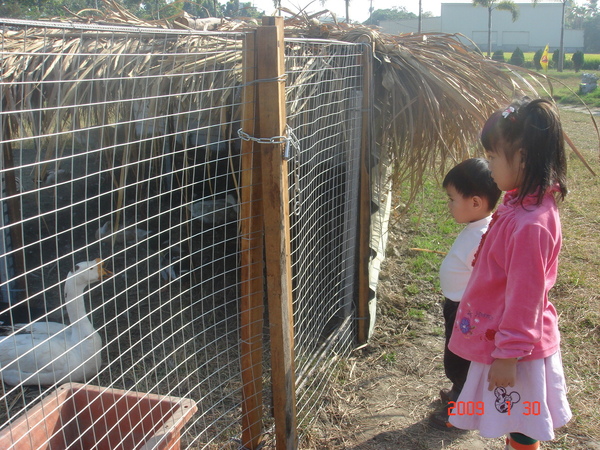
(121, 236)
(44, 353)
(174, 263)
(215, 211)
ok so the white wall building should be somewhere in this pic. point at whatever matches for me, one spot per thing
(536, 26)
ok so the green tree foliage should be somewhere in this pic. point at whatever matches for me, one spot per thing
(498, 56)
(144, 9)
(36, 9)
(586, 16)
(578, 60)
(575, 17)
(154, 9)
(395, 13)
(517, 58)
(591, 35)
(556, 56)
(233, 8)
(537, 57)
(203, 8)
(500, 5)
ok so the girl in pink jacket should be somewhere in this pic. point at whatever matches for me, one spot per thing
(506, 325)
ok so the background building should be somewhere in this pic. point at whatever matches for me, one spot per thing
(536, 26)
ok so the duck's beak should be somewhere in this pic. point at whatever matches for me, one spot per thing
(102, 271)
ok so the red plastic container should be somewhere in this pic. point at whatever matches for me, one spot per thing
(84, 417)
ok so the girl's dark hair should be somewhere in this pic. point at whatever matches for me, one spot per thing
(534, 127)
(473, 177)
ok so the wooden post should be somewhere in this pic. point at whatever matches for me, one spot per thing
(251, 263)
(272, 120)
(364, 225)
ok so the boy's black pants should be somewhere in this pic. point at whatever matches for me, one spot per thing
(456, 368)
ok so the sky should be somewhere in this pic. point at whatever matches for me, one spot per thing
(359, 9)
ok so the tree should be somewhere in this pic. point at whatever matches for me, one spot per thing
(517, 58)
(575, 17)
(204, 8)
(502, 5)
(498, 55)
(578, 60)
(556, 57)
(157, 9)
(591, 35)
(277, 4)
(36, 9)
(591, 27)
(585, 17)
(394, 13)
(233, 8)
(537, 57)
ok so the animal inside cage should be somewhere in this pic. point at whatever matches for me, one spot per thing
(138, 219)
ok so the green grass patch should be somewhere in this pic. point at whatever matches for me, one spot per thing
(411, 290)
(438, 331)
(566, 89)
(416, 314)
(389, 358)
(435, 229)
(566, 83)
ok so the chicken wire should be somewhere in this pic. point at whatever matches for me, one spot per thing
(122, 145)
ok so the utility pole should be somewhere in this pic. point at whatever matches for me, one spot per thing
(347, 11)
(561, 51)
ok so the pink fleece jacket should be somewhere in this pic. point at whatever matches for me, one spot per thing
(505, 311)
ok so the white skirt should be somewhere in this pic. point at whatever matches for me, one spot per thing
(535, 406)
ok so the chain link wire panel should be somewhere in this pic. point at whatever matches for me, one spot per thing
(324, 106)
(120, 144)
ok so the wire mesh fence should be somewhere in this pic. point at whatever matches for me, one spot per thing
(324, 106)
(120, 154)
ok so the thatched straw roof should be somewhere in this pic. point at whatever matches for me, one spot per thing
(432, 93)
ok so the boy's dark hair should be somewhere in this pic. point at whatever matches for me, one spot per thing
(472, 177)
(534, 127)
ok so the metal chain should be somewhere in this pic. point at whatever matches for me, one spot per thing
(291, 152)
(295, 145)
(270, 140)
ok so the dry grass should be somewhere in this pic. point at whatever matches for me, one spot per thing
(576, 294)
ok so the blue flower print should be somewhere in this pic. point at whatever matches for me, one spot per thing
(465, 325)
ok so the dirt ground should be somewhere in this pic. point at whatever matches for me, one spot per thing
(392, 384)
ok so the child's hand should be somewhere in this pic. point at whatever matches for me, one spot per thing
(503, 373)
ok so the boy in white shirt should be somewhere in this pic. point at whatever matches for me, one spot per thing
(472, 196)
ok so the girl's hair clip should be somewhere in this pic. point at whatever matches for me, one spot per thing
(509, 113)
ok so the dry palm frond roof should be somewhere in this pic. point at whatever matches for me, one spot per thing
(432, 93)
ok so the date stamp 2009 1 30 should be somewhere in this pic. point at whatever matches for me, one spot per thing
(478, 408)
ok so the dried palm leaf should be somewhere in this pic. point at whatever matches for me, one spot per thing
(432, 94)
